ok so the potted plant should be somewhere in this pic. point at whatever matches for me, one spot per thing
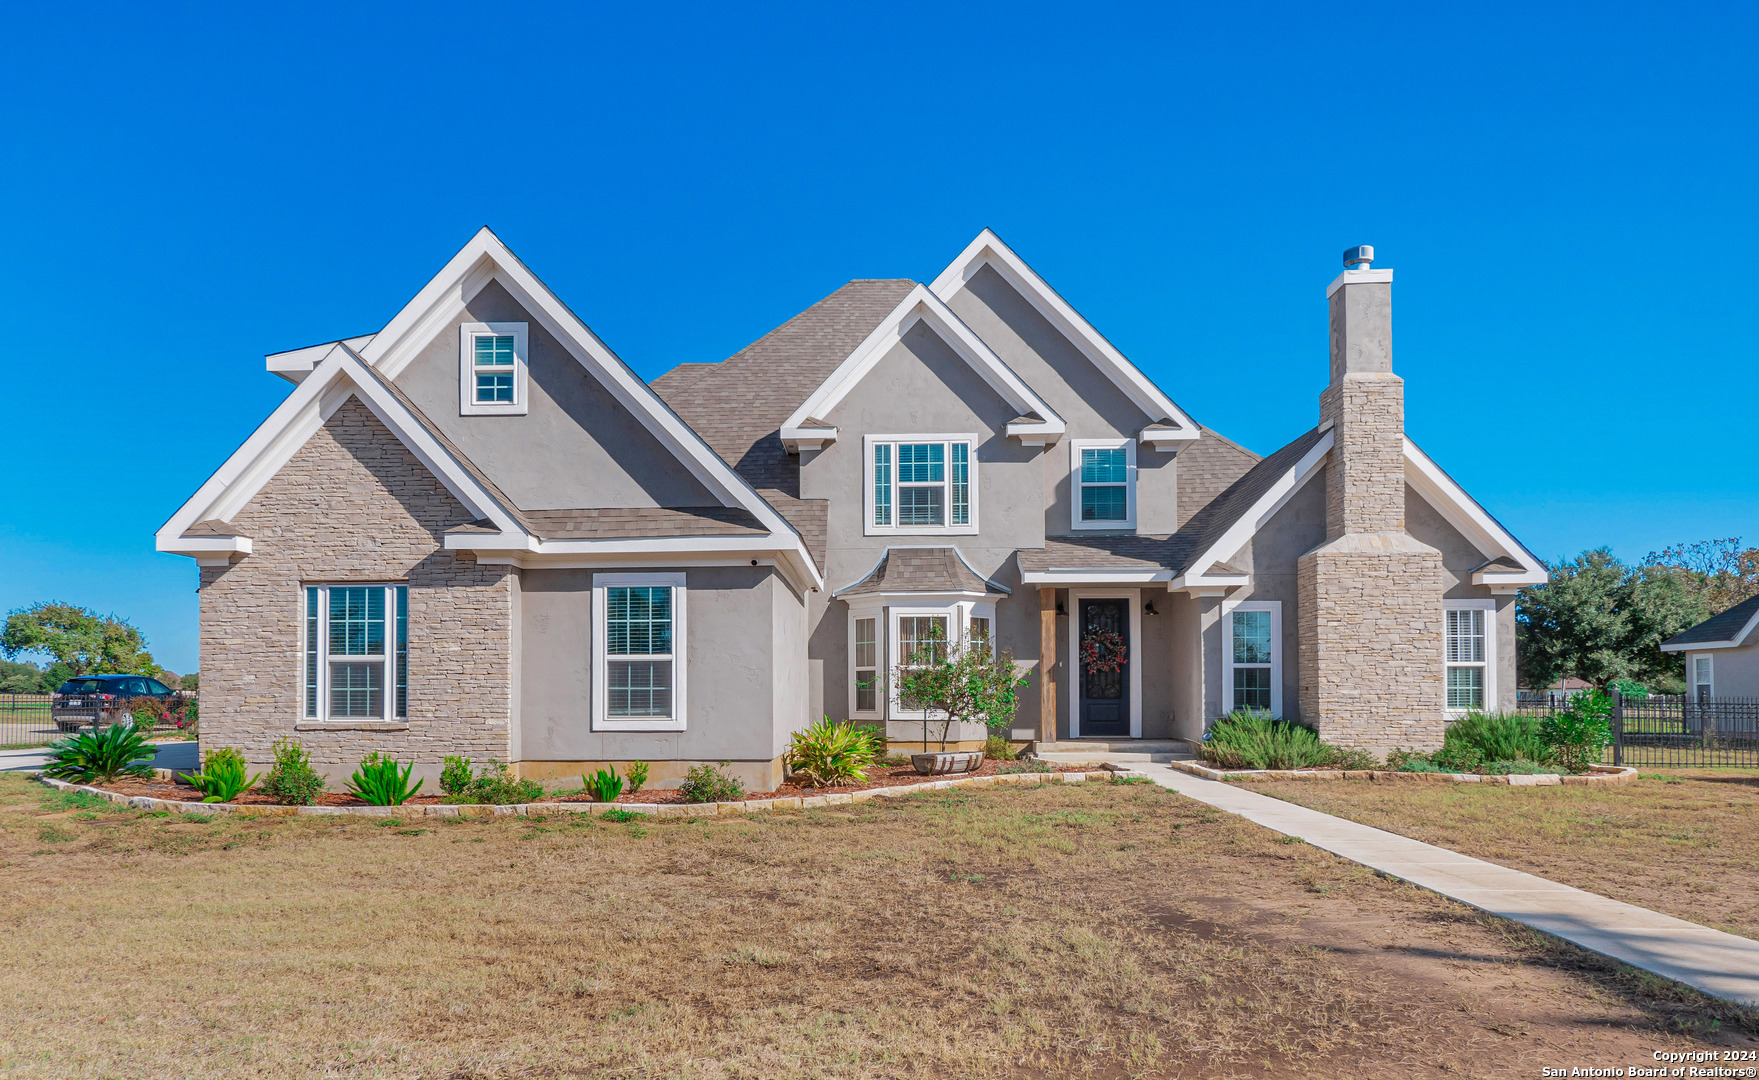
(970, 684)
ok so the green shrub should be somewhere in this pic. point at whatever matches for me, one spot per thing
(1580, 732)
(456, 775)
(998, 748)
(706, 783)
(1252, 740)
(1411, 761)
(604, 785)
(1630, 688)
(635, 773)
(1032, 765)
(831, 754)
(1517, 767)
(104, 754)
(1355, 759)
(496, 785)
(292, 780)
(1495, 737)
(381, 782)
(223, 776)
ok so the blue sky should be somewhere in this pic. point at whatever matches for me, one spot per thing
(1565, 192)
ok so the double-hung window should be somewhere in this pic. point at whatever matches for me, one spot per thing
(1102, 479)
(922, 642)
(1703, 680)
(921, 484)
(1253, 654)
(638, 636)
(1467, 633)
(492, 368)
(356, 652)
(866, 665)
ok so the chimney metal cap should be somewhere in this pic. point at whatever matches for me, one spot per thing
(1362, 254)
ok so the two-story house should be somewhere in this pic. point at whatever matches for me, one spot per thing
(476, 531)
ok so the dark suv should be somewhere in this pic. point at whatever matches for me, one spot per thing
(82, 700)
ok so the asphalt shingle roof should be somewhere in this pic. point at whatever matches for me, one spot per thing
(922, 570)
(1720, 627)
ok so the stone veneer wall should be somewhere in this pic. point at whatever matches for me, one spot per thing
(354, 505)
(1370, 642)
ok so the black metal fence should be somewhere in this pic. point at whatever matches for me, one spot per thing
(34, 719)
(1672, 730)
(25, 720)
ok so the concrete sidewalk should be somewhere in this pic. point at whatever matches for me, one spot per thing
(1717, 963)
(180, 755)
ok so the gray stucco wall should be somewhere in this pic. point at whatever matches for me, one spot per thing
(744, 665)
(1734, 673)
(1088, 401)
(1270, 557)
(576, 447)
(1458, 556)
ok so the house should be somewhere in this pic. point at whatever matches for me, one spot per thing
(1722, 654)
(475, 531)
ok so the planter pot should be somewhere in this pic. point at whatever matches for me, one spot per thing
(938, 764)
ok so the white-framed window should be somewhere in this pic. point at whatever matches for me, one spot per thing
(356, 652)
(867, 673)
(1102, 483)
(1703, 680)
(638, 652)
(884, 637)
(1469, 660)
(920, 483)
(1252, 656)
(492, 368)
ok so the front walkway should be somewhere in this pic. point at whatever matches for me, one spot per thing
(1710, 960)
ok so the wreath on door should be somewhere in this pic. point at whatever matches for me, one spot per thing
(1103, 650)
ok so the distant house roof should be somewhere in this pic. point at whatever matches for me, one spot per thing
(1722, 631)
(922, 570)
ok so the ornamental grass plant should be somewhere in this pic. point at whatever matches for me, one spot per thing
(832, 754)
(1253, 740)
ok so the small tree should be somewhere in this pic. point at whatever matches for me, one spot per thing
(970, 683)
(84, 641)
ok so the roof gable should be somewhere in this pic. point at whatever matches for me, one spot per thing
(988, 250)
(1037, 422)
(1724, 630)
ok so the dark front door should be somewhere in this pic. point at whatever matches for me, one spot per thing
(1104, 663)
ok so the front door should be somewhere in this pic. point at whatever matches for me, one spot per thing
(1104, 664)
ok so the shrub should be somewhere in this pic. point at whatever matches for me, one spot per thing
(962, 683)
(1580, 732)
(496, 785)
(1630, 688)
(1251, 740)
(999, 748)
(146, 712)
(706, 783)
(380, 782)
(1354, 758)
(456, 775)
(1411, 761)
(104, 754)
(1032, 765)
(1495, 737)
(292, 780)
(604, 785)
(223, 776)
(635, 773)
(1518, 767)
(831, 754)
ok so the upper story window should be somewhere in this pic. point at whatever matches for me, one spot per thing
(1468, 634)
(492, 369)
(638, 652)
(1102, 481)
(921, 484)
(356, 652)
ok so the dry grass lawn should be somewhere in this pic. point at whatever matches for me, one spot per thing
(1685, 842)
(1068, 930)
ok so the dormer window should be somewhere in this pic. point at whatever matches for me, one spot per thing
(491, 369)
(921, 484)
(1102, 482)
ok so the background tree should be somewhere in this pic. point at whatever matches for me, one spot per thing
(1722, 571)
(1599, 620)
(84, 641)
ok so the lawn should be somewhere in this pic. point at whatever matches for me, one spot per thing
(1102, 930)
(1684, 842)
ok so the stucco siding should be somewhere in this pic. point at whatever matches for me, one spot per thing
(1458, 556)
(1734, 672)
(576, 447)
(354, 505)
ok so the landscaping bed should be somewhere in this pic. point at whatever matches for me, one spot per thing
(1093, 929)
(1684, 842)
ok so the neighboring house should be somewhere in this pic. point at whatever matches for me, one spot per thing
(1722, 654)
(476, 531)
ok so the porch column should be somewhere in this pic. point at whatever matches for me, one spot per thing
(1047, 665)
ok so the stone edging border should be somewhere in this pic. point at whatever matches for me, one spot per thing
(658, 810)
(1602, 774)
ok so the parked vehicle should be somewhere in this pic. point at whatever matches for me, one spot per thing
(81, 701)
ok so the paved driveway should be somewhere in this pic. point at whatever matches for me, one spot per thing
(171, 755)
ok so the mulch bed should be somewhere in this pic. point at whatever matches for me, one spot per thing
(881, 776)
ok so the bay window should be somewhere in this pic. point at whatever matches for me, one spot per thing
(920, 483)
(356, 646)
(884, 637)
(638, 644)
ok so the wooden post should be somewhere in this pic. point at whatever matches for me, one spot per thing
(1047, 665)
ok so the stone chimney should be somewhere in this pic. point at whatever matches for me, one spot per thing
(1370, 616)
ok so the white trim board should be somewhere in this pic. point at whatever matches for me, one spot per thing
(1473, 521)
(1197, 574)
(922, 306)
(988, 250)
(1134, 606)
(1275, 607)
(1490, 664)
(679, 656)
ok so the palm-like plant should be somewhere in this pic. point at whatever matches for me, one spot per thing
(104, 754)
(380, 782)
(830, 754)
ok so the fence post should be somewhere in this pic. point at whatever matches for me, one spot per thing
(1618, 727)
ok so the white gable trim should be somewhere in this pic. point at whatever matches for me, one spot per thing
(1734, 642)
(988, 250)
(923, 306)
(1474, 523)
(1197, 574)
(295, 364)
(340, 376)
